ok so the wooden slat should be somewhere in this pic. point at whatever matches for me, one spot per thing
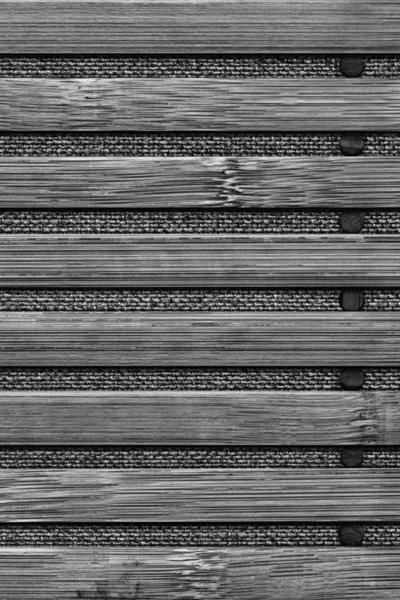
(201, 182)
(201, 573)
(199, 495)
(201, 260)
(179, 26)
(200, 339)
(68, 105)
(197, 418)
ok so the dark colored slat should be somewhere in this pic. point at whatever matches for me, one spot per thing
(178, 26)
(199, 495)
(187, 183)
(200, 339)
(198, 418)
(201, 260)
(69, 105)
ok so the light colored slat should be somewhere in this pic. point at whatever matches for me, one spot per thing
(199, 495)
(201, 182)
(201, 573)
(174, 104)
(179, 26)
(200, 339)
(201, 260)
(197, 418)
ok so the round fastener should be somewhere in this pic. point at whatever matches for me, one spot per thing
(351, 534)
(351, 379)
(352, 457)
(352, 65)
(352, 300)
(352, 221)
(351, 144)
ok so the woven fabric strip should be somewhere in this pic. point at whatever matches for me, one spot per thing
(188, 457)
(191, 66)
(192, 144)
(237, 300)
(240, 534)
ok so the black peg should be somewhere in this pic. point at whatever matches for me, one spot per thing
(352, 379)
(351, 534)
(352, 65)
(352, 221)
(352, 300)
(352, 456)
(351, 144)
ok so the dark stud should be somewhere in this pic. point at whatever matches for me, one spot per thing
(351, 144)
(351, 379)
(351, 534)
(352, 457)
(352, 65)
(351, 222)
(352, 300)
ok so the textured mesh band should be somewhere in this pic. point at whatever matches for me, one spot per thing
(191, 222)
(187, 457)
(191, 144)
(191, 66)
(237, 300)
(240, 534)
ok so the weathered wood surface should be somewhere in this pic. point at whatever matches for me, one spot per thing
(205, 26)
(175, 104)
(200, 573)
(200, 339)
(200, 260)
(198, 418)
(199, 182)
(199, 495)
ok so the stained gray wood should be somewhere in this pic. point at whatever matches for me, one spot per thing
(199, 495)
(200, 339)
(201, 260)
(199, 182)
(198, 418)
(201, 573)
(175, 104)
(178, 26)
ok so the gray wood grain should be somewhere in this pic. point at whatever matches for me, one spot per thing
(200, 418)
(201, 260)
(199, 495)
(178, 26)
(199, 182)
(200, 573)
(174, 104)
(200, 339)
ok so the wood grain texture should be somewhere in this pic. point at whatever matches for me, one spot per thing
(200, 418)
(200, 182)
(201, 260)
(210, 26)
(176, 104)
(200, 573)
(200, 339)
(199, 495)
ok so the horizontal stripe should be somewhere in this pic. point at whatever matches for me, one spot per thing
(199, 495)
(196, 339)
(189, 183)
(198, 418)
(168, 105)
(313, 261)
(217, 26)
